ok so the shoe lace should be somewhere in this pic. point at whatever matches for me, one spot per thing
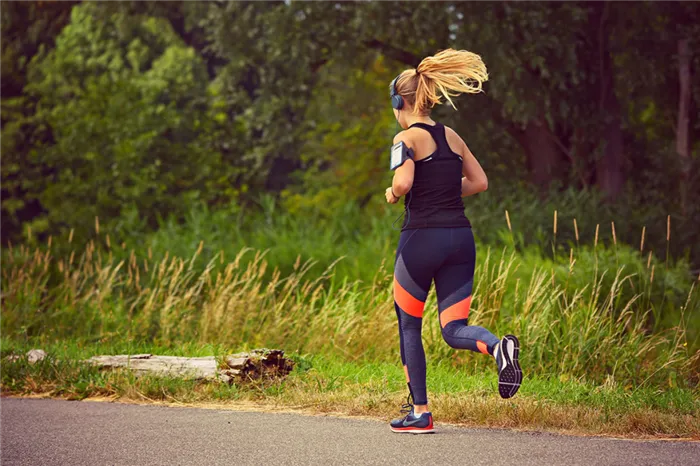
(407, 407)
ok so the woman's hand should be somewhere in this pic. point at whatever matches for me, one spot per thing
(390, 198)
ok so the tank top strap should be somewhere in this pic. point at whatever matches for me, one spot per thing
(437, 131)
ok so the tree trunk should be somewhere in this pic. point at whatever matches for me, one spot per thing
(541, 151)
(609, 165)
(682, 135)
(609, 168)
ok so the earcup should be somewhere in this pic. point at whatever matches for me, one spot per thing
(397, 101)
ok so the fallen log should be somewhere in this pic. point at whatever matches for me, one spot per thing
(235, 368)
(196, 368)
(258, 364)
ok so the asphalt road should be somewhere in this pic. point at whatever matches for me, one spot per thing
(55, 432)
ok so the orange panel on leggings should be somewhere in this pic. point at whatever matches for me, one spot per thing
(409, 304)
(457, 311)
(482, 346)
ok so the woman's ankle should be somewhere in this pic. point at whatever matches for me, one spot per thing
(420, 409)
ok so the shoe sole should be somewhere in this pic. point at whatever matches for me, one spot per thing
(510, 378)
(413, 431)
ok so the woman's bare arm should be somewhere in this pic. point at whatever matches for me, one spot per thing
(474, 180)
(403, 176)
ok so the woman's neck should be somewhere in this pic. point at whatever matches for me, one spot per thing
(411, 119)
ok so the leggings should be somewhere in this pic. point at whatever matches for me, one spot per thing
(447, 256)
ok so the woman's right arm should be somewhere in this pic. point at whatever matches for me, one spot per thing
(474, 180)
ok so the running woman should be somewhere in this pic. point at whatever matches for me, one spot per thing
(436, 242)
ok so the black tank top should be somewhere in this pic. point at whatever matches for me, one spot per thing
(435, 200)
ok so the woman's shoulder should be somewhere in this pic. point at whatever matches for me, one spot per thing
(453, 139)
(399, 136)
(408, 135)
(450, 132)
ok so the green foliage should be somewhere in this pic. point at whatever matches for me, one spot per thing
(345, 150)
(26, 26)
(597, 311)
(146, 109)
(125, 103)
(271, 53)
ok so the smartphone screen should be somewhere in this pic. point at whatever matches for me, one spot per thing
(396, 152)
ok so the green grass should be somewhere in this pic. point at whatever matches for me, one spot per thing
(366, 388)
(594, 315)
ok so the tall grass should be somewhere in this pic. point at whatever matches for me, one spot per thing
(574, 321)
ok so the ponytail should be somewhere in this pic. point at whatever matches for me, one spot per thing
(451, 72)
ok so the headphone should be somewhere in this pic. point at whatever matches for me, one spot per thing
(397, 102)
(396, 99)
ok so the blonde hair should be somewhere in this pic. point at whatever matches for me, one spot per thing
(449, 72)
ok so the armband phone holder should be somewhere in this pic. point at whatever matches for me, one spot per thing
(399, 154)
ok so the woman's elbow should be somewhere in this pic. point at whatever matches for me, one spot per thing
(483, 184)
(404, 186)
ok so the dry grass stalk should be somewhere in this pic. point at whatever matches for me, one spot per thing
(595, 242)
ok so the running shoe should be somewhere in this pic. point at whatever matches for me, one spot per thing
(510, 376)
(412, 423)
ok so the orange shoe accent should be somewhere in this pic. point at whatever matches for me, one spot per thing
(414, 428)
(457, 311)
(482, 346)
(405, 369)
(407, 302)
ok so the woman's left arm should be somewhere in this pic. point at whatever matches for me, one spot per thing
(403, 176)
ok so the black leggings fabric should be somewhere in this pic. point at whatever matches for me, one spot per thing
(447, 256)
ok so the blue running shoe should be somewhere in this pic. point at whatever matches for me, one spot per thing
(510, 376)
(412, 423)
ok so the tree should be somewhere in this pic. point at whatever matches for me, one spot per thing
(26, 27)
(128, 107)
(269, 59)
